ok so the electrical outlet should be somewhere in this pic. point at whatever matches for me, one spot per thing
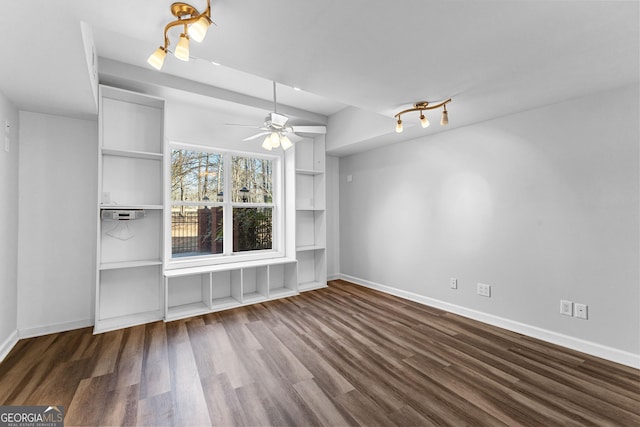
(453, 283)
(580, 311)
(484, 290)
(566, 307)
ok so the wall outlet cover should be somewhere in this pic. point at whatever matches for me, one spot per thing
(566, 307)
(484, 290)
(453, 283)
(580, 311)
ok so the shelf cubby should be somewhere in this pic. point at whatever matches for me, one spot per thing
(188, 295)
(131, 180)
(283, 280)
(225, 293)
(127, 293)
(133, 241)
(310, 229)
(311, 270)
(131, 121)
(255, 284)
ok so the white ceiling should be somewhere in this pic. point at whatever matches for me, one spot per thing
(492, 57)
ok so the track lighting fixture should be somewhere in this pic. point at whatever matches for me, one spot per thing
(195, 26)
(421, 107)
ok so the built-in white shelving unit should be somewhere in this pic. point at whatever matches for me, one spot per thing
(129, 252)
(133, 284)
(200, 290)
(311, 227)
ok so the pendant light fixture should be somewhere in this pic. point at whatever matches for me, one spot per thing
(421, 107)
(195, 26)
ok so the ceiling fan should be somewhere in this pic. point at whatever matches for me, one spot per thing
(276, 129)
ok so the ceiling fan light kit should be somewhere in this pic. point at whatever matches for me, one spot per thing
(195, 26)
(421, 107)
(275, 128)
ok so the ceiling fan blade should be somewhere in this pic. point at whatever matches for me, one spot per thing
(310, 129)
(244, 126)
(257, 135)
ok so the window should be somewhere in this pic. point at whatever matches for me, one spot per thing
(222, 203)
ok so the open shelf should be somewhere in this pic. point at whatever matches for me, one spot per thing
(188, 295)
(308, 172)
(131, 181)
(130, 264)
(136, 241)
(131, 121)
(186, 310)
(129, 293)
(255, 284)
(283, 280)
(310, 228)
(310, 191)
(133, 154)
(125, 321)
(310, 286)
(224, 293)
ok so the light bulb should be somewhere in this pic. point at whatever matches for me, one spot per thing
(267, 144)
(182, 48)
(198, 30)
(286, 142)
(275, 139)
(156, 60)
(445, 118)
(399, 126)
(424, 121)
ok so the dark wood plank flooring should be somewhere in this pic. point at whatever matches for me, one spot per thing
(344, 355)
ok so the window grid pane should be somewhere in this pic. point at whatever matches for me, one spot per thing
(252, 229)
(196, 176)
(196, 230)
(251, 180)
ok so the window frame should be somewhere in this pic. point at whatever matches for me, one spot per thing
(277, 207)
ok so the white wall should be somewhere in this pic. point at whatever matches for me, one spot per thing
(57, 230)
(8, 226)
(542, 205)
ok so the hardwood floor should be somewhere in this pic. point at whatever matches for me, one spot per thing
(344, 355)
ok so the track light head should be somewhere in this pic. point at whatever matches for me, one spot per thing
(182, 49)
(444, 120)
(156, 60)
(399, 128)
(424, 122)
(198, 30)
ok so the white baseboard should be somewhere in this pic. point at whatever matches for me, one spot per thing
(52, 329)
(588, 347)
(334, 277)
(8, 344)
